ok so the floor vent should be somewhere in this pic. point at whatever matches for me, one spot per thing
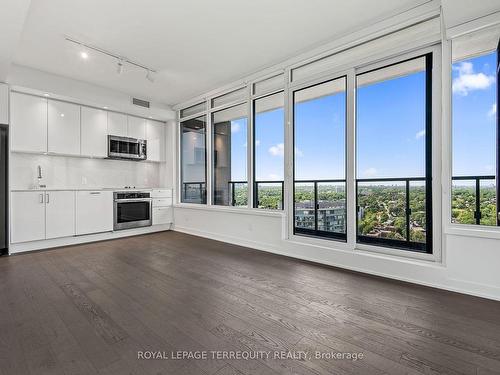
(140, 102)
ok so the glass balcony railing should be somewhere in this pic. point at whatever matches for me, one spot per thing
(194, 192)
(474, 200)
(320, 208)
(238, 193)
(269, 194)
(393, 212)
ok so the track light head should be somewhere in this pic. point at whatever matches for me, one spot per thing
(149, 76)
(119, 67)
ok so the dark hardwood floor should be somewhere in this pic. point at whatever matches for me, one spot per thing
(93, 309)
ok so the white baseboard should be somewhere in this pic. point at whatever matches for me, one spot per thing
(458, 286)
(75, 240)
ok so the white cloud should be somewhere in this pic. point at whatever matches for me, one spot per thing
(420, 134)
(489, 168)
(370, 172)
(273, 176)
(493, 111)
(277, 150)
(235, 127)
(467, 80)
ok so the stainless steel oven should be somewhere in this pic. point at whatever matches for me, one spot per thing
(132, 209)
(126, 148)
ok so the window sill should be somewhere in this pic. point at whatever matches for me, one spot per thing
(467, 230)
(235, 210)
(364, 249)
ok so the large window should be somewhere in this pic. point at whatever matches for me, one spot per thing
(229, 158)
(193, 161)
(269, 146)
(319, 159)
(393, 128)
(475, 130)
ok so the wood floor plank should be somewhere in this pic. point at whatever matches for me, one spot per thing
(89, 309)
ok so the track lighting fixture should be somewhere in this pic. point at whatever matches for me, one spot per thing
(121, 60)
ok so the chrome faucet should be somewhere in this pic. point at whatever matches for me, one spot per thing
(40, 185)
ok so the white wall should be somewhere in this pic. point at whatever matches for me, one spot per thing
(83, 93)
(75, 172)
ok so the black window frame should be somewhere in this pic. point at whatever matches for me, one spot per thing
(204, 195)
(408, 245)
(498, 134)
(341, 237)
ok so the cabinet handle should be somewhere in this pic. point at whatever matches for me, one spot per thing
(48, 198)
(40, 198)
(95, 192)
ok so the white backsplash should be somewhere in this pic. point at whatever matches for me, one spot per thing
(73, 172)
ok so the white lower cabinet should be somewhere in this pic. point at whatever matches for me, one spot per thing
(162, 215)
(28, 216)
(59, 214)
(162, 206)
(94, 212)
(40, 215)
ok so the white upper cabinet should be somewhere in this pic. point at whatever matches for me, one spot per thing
(155, 136)
(4, 103)
(60, 214)
(94, 133)
(63, 128)
(117, 124)
(28, 115)
(136, 127)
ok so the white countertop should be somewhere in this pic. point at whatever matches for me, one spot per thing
(121, 188)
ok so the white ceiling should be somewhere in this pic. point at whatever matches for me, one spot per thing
(195, 45)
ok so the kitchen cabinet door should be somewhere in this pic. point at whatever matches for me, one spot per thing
(94, 212)
(59, 214)
(28, 122)
(136, 127)
(162, 215)
(63, 128)
(94, 141)
(27, 216)
(155, 136)
(117, 124)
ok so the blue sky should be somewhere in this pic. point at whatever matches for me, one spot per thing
(390, 130)
(474, 116)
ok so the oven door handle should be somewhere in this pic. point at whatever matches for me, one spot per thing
(133, 200)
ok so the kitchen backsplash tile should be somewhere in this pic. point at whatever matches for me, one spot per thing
(71, 172)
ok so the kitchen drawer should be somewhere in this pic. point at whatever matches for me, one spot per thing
(162, 202)
(161, 193)
(162, 215)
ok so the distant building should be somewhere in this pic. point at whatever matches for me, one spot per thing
(331, 216)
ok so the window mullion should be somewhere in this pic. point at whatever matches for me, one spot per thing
(351, 159)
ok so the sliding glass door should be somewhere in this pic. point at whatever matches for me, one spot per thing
(394, 166)
(319, 159)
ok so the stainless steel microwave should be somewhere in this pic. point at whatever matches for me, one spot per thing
(126, 148)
